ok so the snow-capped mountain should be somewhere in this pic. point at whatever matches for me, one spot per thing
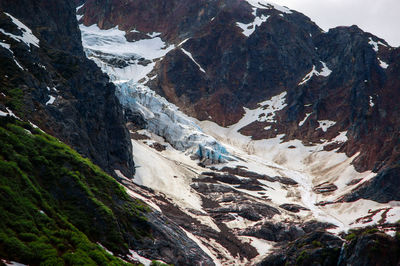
(256, 121)
(241, 133)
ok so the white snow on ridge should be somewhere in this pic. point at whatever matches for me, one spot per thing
(27, 36)
(375, 45)
(194, 61)
(264, 4)
(325, 72)
(248, 29)
(325, 124)
(113, 41)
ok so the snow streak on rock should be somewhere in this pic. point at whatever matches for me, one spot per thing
(325, 72)
(26, 35)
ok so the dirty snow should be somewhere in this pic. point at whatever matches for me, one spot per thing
(135, 256)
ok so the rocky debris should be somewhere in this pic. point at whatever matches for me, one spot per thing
(241, 171)
(226, 178)
(138, 136)
(206, 188)
(172, 244)
(293, 207)
(276, 232)
(158, 147)
(250, 210)
(325, 188)
(354, 182)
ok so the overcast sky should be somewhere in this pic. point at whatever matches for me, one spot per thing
(380, 17)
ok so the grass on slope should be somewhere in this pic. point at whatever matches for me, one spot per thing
(55, 205)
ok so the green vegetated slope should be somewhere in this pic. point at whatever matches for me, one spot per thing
(55, 205)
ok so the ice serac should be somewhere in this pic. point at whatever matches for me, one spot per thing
(130, 69)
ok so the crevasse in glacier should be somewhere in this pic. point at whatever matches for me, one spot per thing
(164, 119)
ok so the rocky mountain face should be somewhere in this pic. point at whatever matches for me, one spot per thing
(265, 128)
(242, 52)
(51, 83)
(252, 135)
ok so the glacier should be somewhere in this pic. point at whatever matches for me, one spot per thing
(128, 64)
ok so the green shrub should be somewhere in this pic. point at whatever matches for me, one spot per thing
(54, 204)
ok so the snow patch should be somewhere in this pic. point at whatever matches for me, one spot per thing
(341, 138)
(136, 257)
(248, 29)
(263, 4)
(325, 72)
(51, 100)
(383, 65)
(12, 263)
(266, 112)
(301, 123)
(375, 45)
(6, 46)
(27, 36)
(263, 246)
(325, 124)
(3, 113)
(371, 103)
